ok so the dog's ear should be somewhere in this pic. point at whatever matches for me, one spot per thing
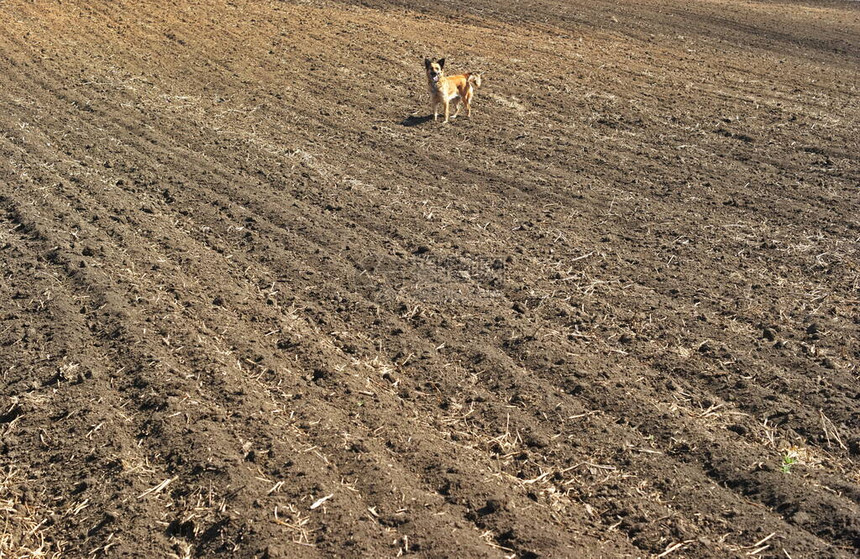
(441, 63)
(427, 63)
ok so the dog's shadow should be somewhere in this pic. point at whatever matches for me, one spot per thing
(415, 120)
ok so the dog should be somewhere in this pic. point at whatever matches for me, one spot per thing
(445, 89)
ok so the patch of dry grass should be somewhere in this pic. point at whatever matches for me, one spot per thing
(23, 534)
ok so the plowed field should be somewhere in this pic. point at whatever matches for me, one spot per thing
(255, 302)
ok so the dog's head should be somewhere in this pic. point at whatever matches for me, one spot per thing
(434, 69)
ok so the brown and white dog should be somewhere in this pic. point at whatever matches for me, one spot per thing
(445, 89)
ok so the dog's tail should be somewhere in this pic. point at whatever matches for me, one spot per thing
(475, 79)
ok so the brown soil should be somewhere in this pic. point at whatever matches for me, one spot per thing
(615, 314)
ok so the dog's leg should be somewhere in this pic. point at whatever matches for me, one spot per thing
(467, 101)
(435, 111)
(447, 110)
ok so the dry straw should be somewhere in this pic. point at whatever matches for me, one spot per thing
(24, 534)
